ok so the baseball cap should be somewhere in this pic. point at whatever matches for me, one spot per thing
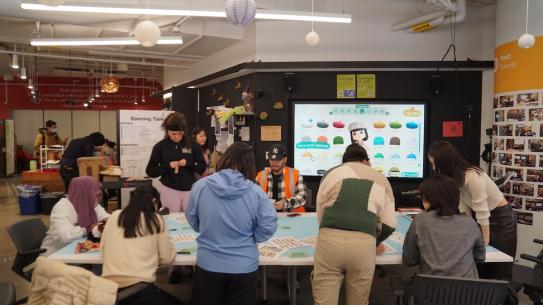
(277, 152)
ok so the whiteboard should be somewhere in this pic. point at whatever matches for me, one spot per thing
(139, 131)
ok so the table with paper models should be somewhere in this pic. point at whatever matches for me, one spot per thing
(292, 245)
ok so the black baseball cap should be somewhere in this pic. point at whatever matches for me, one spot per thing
(277, 152)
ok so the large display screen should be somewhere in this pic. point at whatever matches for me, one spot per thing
(392, 133)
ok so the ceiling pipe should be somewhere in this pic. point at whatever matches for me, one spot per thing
(449, 12)
(140, 63)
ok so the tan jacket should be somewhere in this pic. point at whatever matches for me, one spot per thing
(54, 282)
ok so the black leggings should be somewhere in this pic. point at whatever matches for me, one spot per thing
(213, 288)
(503, 236)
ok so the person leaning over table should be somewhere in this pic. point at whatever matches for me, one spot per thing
(441, 240)
(134, 243)
(479, 195)
(283, 185)
(355, 212)
(232, 215)
(76, 216)
(80, 147)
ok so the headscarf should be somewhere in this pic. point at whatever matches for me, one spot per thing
(82, 194)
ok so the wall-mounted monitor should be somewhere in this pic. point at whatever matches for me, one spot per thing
(392, 132)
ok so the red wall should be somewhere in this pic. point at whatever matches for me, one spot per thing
(55, 91)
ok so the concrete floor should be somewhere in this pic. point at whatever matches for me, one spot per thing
(9, 213)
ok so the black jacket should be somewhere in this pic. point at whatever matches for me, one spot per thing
(167, 151)
(81, 147)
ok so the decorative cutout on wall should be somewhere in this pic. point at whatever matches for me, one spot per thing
(278, 105)
(263, 115)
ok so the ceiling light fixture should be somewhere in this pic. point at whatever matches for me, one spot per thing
(526, 41)
(312, 38)
(15, 60)
(260, 14)
(99, 41)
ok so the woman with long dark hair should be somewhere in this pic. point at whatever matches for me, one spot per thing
(441, 240)
(232, 215)
(481, 198)
(134, 242)
(199, 135)
(175, 159)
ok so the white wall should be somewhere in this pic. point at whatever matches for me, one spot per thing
(510, 24)
(70, 124)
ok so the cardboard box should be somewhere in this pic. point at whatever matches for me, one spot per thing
(50, 181)
(111, 173)
(90, 166)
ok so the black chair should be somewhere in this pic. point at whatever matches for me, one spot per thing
(125, 295)
(27, 236)
(531, 278)
(442, 290)
(7, 294)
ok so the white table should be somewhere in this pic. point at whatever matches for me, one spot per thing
(297, 227)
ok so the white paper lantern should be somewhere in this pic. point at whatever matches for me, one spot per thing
(240, 12)
(147, 33)
(526, 41)
(312, 38)
(51, 2)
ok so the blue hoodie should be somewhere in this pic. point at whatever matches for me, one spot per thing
(232, 214)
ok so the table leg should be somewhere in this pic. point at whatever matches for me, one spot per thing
(264, 283)
(292, 281)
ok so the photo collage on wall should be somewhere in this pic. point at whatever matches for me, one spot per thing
(517, 146)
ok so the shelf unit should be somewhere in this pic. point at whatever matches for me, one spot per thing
(45, 153)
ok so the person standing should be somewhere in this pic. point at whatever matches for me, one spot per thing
(48, 136)
(481, 198)
(283, 185)
(176, 160)
(81, 147)
(232, 215)
(355, 212)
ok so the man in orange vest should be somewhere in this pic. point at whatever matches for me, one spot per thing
(284, 185)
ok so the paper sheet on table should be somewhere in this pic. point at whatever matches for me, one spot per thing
(182, 238)
(269, 251)
(286, 242)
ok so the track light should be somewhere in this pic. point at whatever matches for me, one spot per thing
(23, 73)
(15, 61)
(30, 84)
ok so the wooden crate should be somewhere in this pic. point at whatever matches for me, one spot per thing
(50, 181)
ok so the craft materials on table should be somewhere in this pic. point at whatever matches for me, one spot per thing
(286, 242)
(182, 238)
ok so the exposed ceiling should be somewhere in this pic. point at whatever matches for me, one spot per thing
(202, 36)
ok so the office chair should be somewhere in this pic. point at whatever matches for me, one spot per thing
(442, 290)
(531, 278)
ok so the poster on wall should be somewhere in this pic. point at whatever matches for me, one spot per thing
(139, 130)
(393, 134)
(346, 85)
(365, 85)
(518, 146)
